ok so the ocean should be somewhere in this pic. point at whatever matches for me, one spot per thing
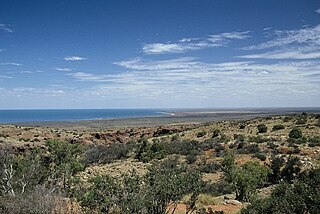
(17, 116)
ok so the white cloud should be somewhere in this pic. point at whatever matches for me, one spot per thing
(188, 44)
(30, 72)
(5, 77)
(318, 11)
(174, 82)
(305, 36)
(28, 91)
(284, 55)
(189, 79)
(63, 69)
(2, 50)
(83, 76)
(6, 28)
(11, 63)
(74, 58)
(296, 44)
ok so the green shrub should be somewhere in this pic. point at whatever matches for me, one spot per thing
(315, 141)
(215, 133)
(239, 137)
(276, 166)
(192, 156)
(300, 197)
(201, 134)
(258, 139)
(242, 125)
(261, 156)
(291, 169)
(247, 179)
(102, 154)
(168, 183)
(249, 149)
(262, 128)
(295, 133)
(277, 127)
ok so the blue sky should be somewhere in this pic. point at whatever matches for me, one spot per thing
(156, 54)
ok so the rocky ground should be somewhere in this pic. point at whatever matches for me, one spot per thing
(238, 134)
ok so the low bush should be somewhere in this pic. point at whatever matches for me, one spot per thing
(102, 154)
(260, 156)
(215, 133)
(262, 128)
(201, 134)
(300, 197)
(295, 133)
(277, 127)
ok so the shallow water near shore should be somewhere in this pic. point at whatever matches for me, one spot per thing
(17, 116)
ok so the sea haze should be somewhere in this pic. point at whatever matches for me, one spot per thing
(16, 116)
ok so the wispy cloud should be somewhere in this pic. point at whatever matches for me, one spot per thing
(189, 44)
(30, 72)
(299, 44)
(305, 36)
(318, 11)
(28, 91)
(74, 58)
(284, 54)
(63, 69)
(11, 63)
(83, 76)
(6, 27)
(190, 78)
(2, 50)
(5, 77)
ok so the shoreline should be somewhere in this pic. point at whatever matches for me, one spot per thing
(174, 118)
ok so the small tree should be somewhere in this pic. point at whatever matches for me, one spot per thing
(63, 161)
(262, 128)
(247, 178)
(102, 195)
(228, 166)
(167, 183)
(276, 164)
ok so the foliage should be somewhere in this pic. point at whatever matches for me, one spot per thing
(303, 196)
(158, 192)
(106, 153)
(101, 195)
(168, 183)
(228, 165)
(244, 179)
(38, 200)
(192, 156)
(314, 141)
(64, 160)
(260, 156)
(201, 134)
(239, 137)
(216, 133)
(295, 133)
(277, 127)
(148, 151)
(249, 149)
(19, 174)
(284, 170)
(291, 169)
(247, 178)
(276, 165)
(262, 128)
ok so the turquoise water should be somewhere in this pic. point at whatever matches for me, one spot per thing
(16, 116)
